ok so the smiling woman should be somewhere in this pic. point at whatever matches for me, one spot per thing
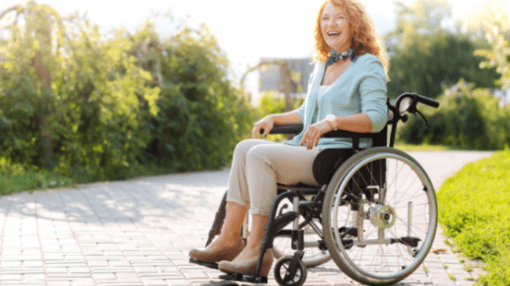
(356, 25)
(347, 94)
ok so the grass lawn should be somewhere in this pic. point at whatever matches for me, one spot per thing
(15, 178)
(474, 209)
(31, 181)
(424, 147)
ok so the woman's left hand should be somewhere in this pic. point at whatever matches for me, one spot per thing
(314, 133)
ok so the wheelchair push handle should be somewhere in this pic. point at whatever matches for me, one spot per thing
(409, 101)
(427, 101)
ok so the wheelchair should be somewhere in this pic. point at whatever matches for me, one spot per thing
(375, 213)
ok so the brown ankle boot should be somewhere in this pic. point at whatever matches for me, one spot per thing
(248, 267)
(226, 253)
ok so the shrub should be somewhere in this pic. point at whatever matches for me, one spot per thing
(272, 103)
(202, 116)
(117, 106)
(467, 118)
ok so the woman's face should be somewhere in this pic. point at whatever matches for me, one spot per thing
(335, 28)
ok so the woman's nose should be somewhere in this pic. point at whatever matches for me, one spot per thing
(332, 23)
(328, 24)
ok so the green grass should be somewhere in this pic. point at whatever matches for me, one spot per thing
(32, 181)
(15, 178)
(467, 268)
(474, 208)
(452, 277)
(424, 147)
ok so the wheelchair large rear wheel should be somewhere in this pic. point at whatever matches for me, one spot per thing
(390, 208)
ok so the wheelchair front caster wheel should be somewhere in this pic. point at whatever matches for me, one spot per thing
(290, 272)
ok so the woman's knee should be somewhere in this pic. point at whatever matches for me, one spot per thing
(245, 145)
(255, 153)
(258, 159)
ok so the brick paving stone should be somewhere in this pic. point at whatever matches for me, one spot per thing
(59, 276)
(463, 282)
(33, 277)
(7, 277)
(60, 283)
(23, 283)
(83, 282)
(155, 283)
(101, 276)
(442, 281)
(179, 282)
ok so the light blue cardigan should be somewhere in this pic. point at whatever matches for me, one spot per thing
(360, 89)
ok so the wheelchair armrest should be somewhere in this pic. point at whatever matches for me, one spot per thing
(349, 134)
(297, 128)
(285, 129)
(380, 137)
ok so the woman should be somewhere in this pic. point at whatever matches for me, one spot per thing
(345, 92)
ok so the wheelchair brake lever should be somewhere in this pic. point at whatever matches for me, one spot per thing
(426, 123)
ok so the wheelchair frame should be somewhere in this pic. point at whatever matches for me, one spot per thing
(380, 215)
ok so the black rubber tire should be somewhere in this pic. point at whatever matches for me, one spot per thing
(282, 265)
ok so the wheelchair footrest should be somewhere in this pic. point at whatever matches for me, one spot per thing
(243, 278)
(213, 265)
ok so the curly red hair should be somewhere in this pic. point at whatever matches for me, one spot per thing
(364, 39)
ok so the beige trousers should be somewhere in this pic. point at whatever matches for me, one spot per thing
(257, 167)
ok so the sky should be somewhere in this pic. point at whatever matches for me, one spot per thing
(246, 30)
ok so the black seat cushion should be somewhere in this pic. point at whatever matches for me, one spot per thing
(327, 162)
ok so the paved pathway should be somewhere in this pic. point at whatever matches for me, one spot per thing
(138, 232)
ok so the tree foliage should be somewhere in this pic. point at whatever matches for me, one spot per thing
(271, 102)
(117, 102)
(492, 21)
(428, 55)
(468, 118)
(202, 116)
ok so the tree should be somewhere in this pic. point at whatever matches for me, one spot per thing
(202, 116)
(92, 106)
(119, 103)
(40, 20)
(493, 23)
(428, 55)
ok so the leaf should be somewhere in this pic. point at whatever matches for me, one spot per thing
(438, 251)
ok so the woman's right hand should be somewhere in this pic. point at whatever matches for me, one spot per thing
(265, 123)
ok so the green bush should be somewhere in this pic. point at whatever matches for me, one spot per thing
(467, 118)
(473, 208)
(120, 104)
(272, 103)
(202, 117)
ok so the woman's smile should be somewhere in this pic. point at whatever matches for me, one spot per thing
(335, 28)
